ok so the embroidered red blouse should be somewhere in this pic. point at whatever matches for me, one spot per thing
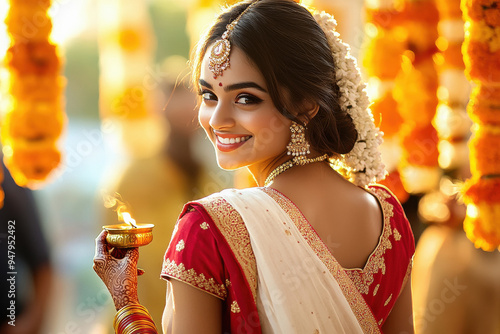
(210, 250)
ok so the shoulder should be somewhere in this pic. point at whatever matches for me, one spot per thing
(394, 216)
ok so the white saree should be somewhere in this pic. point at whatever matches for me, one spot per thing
(296, 291)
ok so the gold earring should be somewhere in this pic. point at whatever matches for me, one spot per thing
(298, 146)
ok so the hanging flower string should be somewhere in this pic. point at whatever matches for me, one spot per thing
(128, 80)
(481, 50)
(415, 93)
(34, 117)
(452, 122)
(382, 63)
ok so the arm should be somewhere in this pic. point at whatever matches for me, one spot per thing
(118, 270)
(189, 310)
(400, 320)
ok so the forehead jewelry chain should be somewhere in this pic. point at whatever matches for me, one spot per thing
(219, 56)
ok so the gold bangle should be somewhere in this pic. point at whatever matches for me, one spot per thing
(143, 319)
(138, 326)
(129, 309)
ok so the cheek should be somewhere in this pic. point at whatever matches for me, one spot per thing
(204, 120)
(274, 131)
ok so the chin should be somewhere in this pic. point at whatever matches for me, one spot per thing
(227, 164)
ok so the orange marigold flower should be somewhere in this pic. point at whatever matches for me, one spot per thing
(481, 64)
(383, 55)
(393, 182)
(36, 87)
(415, 92)
(386, 110)
(30, 163)
(477, 10)
(39, 58)
(485, 153)
(420, 145)
(383, 18)
(28, 22)
(424, 11)
(482, 190)
(483, 209)
(484, 232)
(484, 105)
(35, 120)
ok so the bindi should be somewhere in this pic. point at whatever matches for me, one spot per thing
(220, 84)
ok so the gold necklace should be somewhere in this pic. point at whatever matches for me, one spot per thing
(289, 164)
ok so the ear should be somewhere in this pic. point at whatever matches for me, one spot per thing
(309, 110)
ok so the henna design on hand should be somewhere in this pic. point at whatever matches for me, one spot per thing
(117, 268)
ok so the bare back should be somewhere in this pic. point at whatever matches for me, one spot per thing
(347, 218)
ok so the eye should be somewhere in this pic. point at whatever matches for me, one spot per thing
(207, 95)
(246, 99)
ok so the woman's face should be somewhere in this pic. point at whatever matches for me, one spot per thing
(239, 116)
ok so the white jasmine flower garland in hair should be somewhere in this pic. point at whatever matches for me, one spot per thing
(363, 165)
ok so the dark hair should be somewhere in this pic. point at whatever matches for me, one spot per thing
(291, 51)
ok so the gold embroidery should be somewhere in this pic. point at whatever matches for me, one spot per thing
(191, 277)
(407, 275)
(232, 227)
(380, 321)
(204, 225)
(176, 227)
(397, 236)
(376, 289)
(363, 278)
(228, 283)
(180, 245)
(235, 308)
(388, 300)
(356, 301)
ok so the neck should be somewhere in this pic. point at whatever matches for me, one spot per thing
(262, 170)
(265, 176)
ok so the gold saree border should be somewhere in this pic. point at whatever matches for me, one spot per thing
(191, 277)
(363, 278)
(357, 303)
(233, 229)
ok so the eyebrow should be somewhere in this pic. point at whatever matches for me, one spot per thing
(240, 85)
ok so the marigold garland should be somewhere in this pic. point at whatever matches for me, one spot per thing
(482, 60)
(415, 92)
(35, 116)
(451, 120)
(128, 79)
(381, 64)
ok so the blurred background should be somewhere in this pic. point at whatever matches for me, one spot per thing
(130, 127)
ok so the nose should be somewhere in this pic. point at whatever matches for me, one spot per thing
(222, 116)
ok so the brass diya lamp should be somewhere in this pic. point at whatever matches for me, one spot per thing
(129, 234)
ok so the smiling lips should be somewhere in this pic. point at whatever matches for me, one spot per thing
(229, 143)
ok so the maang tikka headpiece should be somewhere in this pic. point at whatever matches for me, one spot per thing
(219, 56)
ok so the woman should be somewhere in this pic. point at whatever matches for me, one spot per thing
(307, 251)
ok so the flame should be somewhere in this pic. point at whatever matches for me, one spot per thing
(127, 218)
(116, 203)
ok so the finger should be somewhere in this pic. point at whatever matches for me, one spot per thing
(132, 254)
(101, 246)
(140, 271)
(118, 253)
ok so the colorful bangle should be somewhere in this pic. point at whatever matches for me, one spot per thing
(133, 318)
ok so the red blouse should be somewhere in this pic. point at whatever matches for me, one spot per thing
(210, 250)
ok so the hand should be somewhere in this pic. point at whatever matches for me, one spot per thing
(117, 268)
